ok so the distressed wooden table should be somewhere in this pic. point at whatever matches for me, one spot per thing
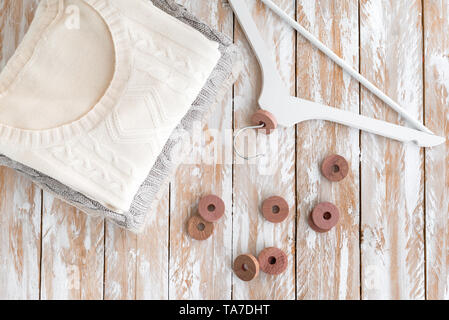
(392, 240)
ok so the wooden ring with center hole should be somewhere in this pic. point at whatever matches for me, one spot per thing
(273, 261)
(246, 267)
(324, 217)
(275, 209)
(199, 229)
(266, 118)
(211, 208)
(335, 168)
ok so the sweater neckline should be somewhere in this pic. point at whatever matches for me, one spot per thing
(122, 69)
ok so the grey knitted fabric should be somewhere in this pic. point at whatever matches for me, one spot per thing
(146, 199)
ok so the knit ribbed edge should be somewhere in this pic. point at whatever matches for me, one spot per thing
(54, 136)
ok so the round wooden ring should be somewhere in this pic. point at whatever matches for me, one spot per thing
(335, 168)
(314, 227)
(266, 118)
(211, 208)
(275, 209)
(199, 229)
(246, 267)
(324, 217)
(273, 261)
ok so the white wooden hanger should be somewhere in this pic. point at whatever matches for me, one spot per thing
(287, 110)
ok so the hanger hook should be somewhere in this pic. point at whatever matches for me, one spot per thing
(238, 133)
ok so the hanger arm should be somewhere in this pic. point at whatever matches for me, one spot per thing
(345, 66)
(295, 110)
(289, 110)
(271, 80)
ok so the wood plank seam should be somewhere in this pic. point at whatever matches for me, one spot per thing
(296, 158)
(360, 152)
(40, 251)
(424, 151)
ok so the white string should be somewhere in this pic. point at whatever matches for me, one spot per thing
(237, 134)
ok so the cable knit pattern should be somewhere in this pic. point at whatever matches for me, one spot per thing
(168, 55)
(117, 128)
(82, 163)
(157, 72)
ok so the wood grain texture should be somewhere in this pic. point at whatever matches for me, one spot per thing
(271, 175)
(136, 266)
(50, 250)
(203, 269)
(436, 43)
(152, 254)
(20, 234)
(72, 253)
(20, 201)
(392, 173)
(328, 264)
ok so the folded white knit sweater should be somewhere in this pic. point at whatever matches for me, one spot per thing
(92, 102)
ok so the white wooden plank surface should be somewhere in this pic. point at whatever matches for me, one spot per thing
(272, 175)
(436, 24)
(392, 173)
(328, 264)
(399, 249)
(202, 269)
(136, 266)
(20, 234)
(20, 201)
(152, 255)
(72, 253)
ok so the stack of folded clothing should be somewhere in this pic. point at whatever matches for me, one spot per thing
(100, 95)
